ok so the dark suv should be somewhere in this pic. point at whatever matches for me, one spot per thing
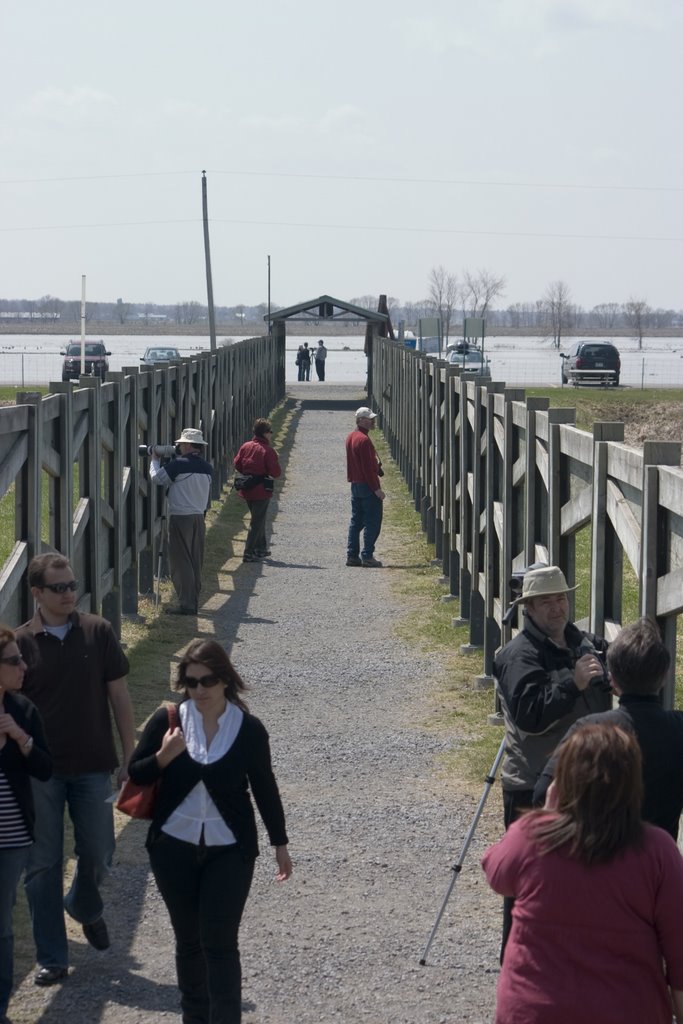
(591, 362)
(96, 362)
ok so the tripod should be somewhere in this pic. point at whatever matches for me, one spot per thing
(160, 559)
(457, 867)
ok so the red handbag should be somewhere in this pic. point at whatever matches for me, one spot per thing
(139, 801)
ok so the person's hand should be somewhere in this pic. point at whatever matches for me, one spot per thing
(172, 745)
(587, 667)
(122, 774)
(380, 494)
(10, 728)
(284, 864)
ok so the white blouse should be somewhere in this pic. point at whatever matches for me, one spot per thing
(198, 811)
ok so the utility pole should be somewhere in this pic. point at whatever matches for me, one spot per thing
(207, 255)
(82, 324)
(270, 325)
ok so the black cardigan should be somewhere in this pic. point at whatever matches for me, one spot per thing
(17, 768)
(246, 765)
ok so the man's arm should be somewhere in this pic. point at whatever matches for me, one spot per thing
(122, 708)
(157, 473)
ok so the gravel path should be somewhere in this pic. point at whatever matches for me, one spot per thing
(373, 828)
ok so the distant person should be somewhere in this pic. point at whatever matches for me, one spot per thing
(76, 678)
(258, 461)
(188, 480)
(202, 841)
(597, 933)
(363, 471)
(638, 663)
(306, 361)
(320, 357)
(23, 756)
(300, 363)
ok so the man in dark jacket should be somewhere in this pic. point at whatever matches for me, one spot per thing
(638, 663)
(548, 676)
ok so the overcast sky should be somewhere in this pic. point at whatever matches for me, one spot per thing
(357, 144)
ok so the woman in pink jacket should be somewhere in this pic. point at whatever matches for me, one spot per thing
(258, 463)
(597, 931)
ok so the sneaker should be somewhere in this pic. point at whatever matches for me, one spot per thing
(49, 975)
(370, 563)
(353, 560)
(97, 934)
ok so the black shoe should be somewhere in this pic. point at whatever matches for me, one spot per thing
(263, 554)
(50, 975)
(252, 558)
(371, 563)
(97, 934)
(353, 560)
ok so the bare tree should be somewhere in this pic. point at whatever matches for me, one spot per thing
(443, 295)
(479, 289)
(51, 307)
(636, 310)
(556, 306)
(606, 314)
(122, 310)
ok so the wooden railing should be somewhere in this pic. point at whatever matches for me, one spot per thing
(70, 458)
(502, 481)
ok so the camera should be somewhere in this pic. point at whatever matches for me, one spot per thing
(516, 585)
(161, 451)
(600, 681)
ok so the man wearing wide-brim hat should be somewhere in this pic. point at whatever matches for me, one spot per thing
(548, 676)
(188, 479)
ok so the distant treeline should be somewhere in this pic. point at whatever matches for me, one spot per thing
(52, 315)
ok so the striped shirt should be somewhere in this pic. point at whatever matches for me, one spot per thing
(13, 831)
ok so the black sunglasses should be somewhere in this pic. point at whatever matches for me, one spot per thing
(60, 588)
(13, 659)
(192, 682)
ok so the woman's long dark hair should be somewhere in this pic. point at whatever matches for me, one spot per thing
(599, 790)
(213, 656)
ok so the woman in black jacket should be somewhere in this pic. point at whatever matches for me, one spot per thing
(23, 753)
(202, 842)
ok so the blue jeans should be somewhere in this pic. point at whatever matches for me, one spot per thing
(12, 864)
(93, 823)
(366, 515)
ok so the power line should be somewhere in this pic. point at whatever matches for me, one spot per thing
(465, 182)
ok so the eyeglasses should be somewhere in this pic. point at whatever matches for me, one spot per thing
(210, 679)
(60, 588)
(13, 659)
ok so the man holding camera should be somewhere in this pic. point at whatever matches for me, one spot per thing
(188, 479)
(549, 675)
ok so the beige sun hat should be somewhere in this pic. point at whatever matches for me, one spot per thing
(542, 582)
(190, 436)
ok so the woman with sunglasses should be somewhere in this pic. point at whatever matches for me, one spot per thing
(23, 753)
(202, 842)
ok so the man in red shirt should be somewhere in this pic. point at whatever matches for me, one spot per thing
(363, 470)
